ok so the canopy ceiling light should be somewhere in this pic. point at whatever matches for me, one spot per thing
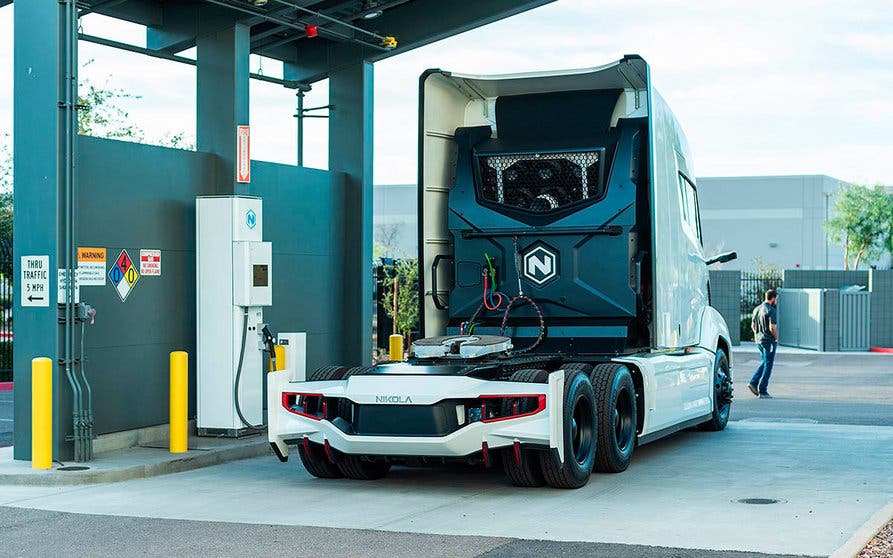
(370, 9)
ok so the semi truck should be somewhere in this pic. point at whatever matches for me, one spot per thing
(563, 296)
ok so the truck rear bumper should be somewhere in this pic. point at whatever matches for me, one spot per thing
(542, 428)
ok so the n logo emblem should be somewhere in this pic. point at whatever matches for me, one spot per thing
(540, 264)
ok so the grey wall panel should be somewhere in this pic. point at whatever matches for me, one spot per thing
(881, 287)
(304, 218)
(137, 196)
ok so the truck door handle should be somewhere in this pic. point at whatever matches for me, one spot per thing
(437, 304)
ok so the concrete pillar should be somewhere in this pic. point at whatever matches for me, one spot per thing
(38, 212)
(222, 99)
(350, 152)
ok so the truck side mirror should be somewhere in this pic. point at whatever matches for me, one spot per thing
(722, 258)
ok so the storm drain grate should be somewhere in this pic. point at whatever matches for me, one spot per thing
(759, 501)
(73, 468)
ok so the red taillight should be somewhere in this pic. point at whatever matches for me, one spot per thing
(310, 405)
(519, 406)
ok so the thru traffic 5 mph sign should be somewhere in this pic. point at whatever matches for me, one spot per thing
(35, 280)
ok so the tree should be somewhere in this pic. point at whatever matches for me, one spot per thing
(405, 312)
(863, 222)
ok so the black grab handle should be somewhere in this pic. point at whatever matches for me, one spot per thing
(437, 304)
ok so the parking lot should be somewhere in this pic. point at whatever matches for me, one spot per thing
(822, 450)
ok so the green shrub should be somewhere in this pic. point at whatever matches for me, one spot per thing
(746, 333)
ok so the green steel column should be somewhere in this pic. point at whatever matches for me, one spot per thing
(38, 208)
(350, 152)
(222, 99)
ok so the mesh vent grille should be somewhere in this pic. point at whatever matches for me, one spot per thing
(541, 182)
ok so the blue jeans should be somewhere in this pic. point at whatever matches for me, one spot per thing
(761, 377)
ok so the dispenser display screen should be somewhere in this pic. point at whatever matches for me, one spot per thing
(261, 275)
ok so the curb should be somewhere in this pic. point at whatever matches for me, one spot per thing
(864, 534)
(198, 460)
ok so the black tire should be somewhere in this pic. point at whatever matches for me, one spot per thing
(579, 435)
(356, 467)
(615, 395)
(317, 463)
(314, 458)
(528, 473)
(581, 366)
(327, 373)
(722, 394)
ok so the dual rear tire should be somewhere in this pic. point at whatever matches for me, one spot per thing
(599, 428)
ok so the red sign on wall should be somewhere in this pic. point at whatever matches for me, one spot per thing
(243, 154)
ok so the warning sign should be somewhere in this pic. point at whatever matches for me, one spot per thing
(150, 262)
(62, 287)
(35, 280)
(123, 275)
(243, 154)
(91, 267)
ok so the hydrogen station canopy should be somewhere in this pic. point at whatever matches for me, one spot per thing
(313, 35)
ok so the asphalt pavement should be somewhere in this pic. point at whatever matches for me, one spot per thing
(825, 388)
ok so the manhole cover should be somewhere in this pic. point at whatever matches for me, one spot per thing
(759, 501)
(73, 468)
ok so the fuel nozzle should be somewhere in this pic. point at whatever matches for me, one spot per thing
(269, 342)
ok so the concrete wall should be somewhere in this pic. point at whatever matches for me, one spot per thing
(880, 283)
(823, 279)
(776, 218)
(725, 296)
(147, 200)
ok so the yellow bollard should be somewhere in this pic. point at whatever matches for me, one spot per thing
(41, 413)
(279, 351)
(179, 401)
(396, 346)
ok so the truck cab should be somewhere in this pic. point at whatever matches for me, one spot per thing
(563, 293)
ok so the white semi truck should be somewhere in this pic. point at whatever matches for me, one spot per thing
(564, 298)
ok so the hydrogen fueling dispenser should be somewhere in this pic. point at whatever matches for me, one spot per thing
(234, 282)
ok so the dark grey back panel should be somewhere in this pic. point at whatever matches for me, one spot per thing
(146, 199)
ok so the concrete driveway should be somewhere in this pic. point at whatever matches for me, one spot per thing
(681, 497)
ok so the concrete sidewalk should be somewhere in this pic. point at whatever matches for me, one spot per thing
(146, 460)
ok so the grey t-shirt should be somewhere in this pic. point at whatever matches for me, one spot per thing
(763, 315)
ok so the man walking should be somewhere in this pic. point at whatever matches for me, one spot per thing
(764, 323)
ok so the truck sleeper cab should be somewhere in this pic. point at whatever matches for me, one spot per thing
(563, 291)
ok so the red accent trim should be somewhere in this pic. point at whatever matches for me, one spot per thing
(540, 405)
(485, 453)
(307, 448)
(882, 349)
(5, 386)
(286, 403)
(329, 452)
(325, 409)
(517, 448)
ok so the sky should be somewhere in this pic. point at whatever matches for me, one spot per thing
(760, 87)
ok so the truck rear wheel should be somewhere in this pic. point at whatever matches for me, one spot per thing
(528, 471)
(356, 467)
(722, 394)
(317, 463)
(579, 425)
(313, 456)
(616, 397)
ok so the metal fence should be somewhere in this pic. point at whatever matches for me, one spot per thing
(754, 285)
(6, 305)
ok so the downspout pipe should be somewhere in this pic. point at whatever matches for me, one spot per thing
(69, 129)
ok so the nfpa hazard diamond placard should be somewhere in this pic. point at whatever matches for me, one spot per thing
(123, 275)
